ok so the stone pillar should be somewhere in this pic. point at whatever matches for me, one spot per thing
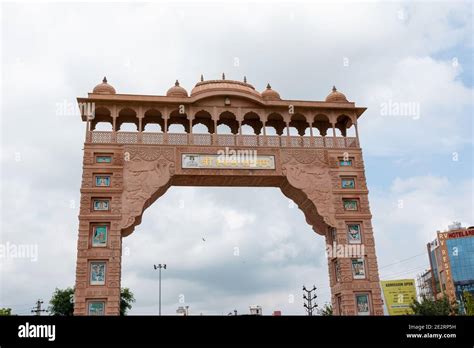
(348, 286)
(114, 124)
(215, 117)
(357, 134)
(88, 130)
(140, 124)
(345, 289)
(108, 293)
(165, 121)
(190, 134)
(88, 250)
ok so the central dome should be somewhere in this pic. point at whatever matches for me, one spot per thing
(224, 85)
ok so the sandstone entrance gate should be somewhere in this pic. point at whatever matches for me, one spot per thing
(301, 147)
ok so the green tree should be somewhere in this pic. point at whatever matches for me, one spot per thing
(326, 310)
(428, 306)
(62, 301)
(468, 302)
(126, 300)
(5, 311)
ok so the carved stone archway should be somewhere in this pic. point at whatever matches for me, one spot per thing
(122, 176)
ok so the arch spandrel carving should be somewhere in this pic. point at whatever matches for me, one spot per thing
(305, 178)
(146, 172)
(308, 171)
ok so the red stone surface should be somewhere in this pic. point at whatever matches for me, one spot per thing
(145, 165)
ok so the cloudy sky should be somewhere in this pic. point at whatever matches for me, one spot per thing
(419, 166)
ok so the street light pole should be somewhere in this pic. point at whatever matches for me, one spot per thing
(159, 267)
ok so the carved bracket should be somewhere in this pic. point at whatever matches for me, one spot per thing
(146, 171)
(308, 171)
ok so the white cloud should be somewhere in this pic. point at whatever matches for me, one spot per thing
(55, 52)
(204, 270)
(407, 216)
(442, 100)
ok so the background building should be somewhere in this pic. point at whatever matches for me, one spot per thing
(183, 310)
(452, 262)
(256, 310)
(424, 284)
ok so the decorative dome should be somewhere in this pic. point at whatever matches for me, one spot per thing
(224, 85)
(177, 91)
(336, 97)
(104, 88)
(270, 94)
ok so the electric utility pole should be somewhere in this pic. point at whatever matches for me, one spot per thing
(310, 300)
(38, 309)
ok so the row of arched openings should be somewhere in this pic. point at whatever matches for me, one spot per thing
(153, 121)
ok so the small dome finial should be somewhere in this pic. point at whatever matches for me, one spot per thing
(177, 91)
(270, 94)
(104, 88)
(336, 97)
(245, 79)
(223, 76)
(202, 78)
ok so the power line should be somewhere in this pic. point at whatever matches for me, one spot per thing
(403, 269)
(396, 274)
(396, 263)
(390, 274)
(410, 271)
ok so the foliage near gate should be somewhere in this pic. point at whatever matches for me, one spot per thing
(5, 311)
(62, 302)
(468, 302)
(433, 307)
